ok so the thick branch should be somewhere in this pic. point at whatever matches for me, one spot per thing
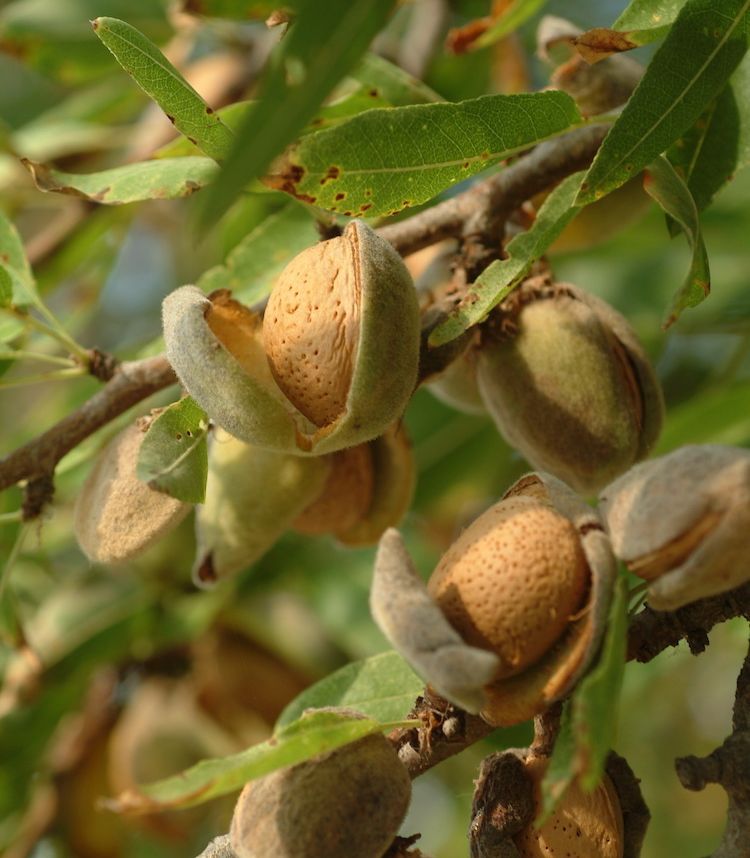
(132, 382)
(491, 200)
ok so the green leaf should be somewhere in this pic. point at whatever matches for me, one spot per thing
(173, 457)
(15, 266)
(514, 14)
(647, 14)
(596, 700)
(235, 10)
(161, 81)
(160, 179)
(383, 161)
(702, 50)
(561, 768)
(663, 183)
(254, 264)
(316, 52)
(315, 733)
(395, 85)
(499, 278)
(6, 287)
(382, 687)
(713, 150)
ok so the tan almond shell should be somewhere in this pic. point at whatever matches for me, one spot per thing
(518, 698)
(382, 380)
(682, 521)
(573, 391)
(349, 803)
(252, 497)
(584, 824)
(117, 516)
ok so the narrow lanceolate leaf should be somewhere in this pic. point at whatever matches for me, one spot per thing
(319, 49)
(382, 687)
(561, 769)
(704, 46)
(237, 10)
(383, 161)
(647, 14)
(160, 179)
(499, 278)
(161, 81)
(644, 21)
(596, 700)
(315, 733)
(712, 151)
(514, 14)
(173, 457)
(254, 264)
(14, 267)
(392, 83)
(663, 183)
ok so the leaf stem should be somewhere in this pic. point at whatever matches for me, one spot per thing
(11, 517)
(55, 375)
(19, 354)
(52, 328)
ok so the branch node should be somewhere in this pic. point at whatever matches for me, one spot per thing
(102, 365)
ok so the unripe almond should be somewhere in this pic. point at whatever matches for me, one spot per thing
(513, 580)
(346, 804)
(346, 496)
(117, 516)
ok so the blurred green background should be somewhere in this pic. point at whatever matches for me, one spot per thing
(218, 667)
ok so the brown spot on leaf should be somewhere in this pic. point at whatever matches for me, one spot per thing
(206, 573)
(365, 206)
(286, 177)
(600, 43)
(170, 118)
(209, 110)
(340, 196)
(373, 93)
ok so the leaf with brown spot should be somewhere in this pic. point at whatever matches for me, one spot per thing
(600, 43)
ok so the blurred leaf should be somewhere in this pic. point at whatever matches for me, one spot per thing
(702, 50)
(383, 161)
(236, 10)
(663, 183)
(56, 140)
(6, 288)
(160, 179)
(513, 14)
(254, 264)
(14, 263)
(316, 52)
(173, 457)
(315, 733)
(161, 81)
(382, 687)
(499, 278)
(719, 416)
(596, 701)
(395, 85)
(561, 769)
(645, 14)
(712, 151)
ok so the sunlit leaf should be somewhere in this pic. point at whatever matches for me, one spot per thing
(383, 687)
(704, 46)
(254, 264)
(314, 55)
(648, 14)
(6, 287)
(173, 457)
(160, 179)
(383, 161)
(15, 266)
(513, 15)
(161, 81)
(664, 184)
(499, 278)
(395, 85)
(315, 733)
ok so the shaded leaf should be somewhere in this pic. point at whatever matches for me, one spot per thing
(254, 264)
(160, 179)
(664, 184)
(236, 10)
(315, 733)
(513, 15)
(713, 150)
(596, 700)
(15, 266)
(383, 161)
(499, 278)
(6, 288)
(648, 14)
(383, 687)
(561, 769)
(316, 52)
(161, 81)
(393, 84)
(173, 457)
(702, 50)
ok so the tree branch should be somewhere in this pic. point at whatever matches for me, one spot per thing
(131, 382)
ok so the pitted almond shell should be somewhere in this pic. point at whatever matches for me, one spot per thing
(573, 390)
(682, 522)
(383, 368)
(584, 824)
(392, 491)
(518, 698)
(349, 803)
(513, 581)
(117, 516)
(252, 497)
(346, 496)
